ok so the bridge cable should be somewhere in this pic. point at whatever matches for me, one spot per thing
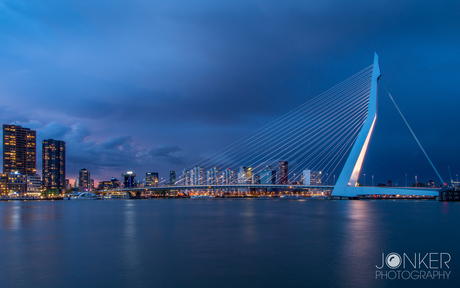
(293, 128)
(264, 129)
(413, 134)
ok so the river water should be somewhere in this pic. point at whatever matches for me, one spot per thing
(221, 242)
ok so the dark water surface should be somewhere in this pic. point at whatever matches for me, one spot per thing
(220, 242)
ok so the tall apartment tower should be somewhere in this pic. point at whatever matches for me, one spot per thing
(245, 175)
(128, 179)
(151, 179)
(185, 177)
(84, 180)
(53, 164)
(266, 175)
(196, 176)
(283, 172)
(228, 176)
(172, 178)
(19, 150)
(212, 176)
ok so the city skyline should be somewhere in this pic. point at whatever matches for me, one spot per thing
(62, 82)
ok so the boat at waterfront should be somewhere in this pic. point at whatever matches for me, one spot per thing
(84, 196)
(117, 196)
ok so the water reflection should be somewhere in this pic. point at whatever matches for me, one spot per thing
(360, 243)
(15, 216)
(130, 244)
(217, 243)
(249, 222)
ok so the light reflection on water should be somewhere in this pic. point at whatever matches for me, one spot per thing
(130, 243)
(217, 243)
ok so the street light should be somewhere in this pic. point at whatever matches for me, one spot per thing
(372, 180)
(364, 179)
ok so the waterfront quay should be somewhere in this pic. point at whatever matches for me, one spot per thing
(177, 193)
(321, 194)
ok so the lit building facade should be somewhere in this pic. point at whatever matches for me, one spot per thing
(104, 185)
(172, 178)
(3, 184)
(19, 150)
(185, 177)
(245, 175)
(212, 176)
(34, 184)
(84, 180)
(228, 176)
(53, 165)
(17, 183)
(151, 179)
(128, 179)
(267, 176)
(283, 173)
(311, 177)
(115, 183)
(196, 176)
(68, 186)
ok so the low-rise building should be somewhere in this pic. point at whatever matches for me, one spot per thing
(34, 185)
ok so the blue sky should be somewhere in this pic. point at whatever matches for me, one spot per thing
(138, 85)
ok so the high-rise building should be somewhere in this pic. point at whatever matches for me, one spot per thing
(255, 178)
(245, 175)
(311, 177)
(53, 165)
(3, 184)
(266, 175)
(283, 172)
(115, 183)
(84, 180)
(211, 176)
(19, 150)
(196, 176)
(172, 178)
(128, 179)
(228, 176)
(185, 177)
(151, 179)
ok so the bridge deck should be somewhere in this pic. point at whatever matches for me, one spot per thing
(367, 190)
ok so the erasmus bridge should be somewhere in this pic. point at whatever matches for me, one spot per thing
(319, 145)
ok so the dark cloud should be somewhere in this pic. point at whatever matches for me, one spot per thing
(127, 84)
(168, 154)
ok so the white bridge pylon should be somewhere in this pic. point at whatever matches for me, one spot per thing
(348, 178)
